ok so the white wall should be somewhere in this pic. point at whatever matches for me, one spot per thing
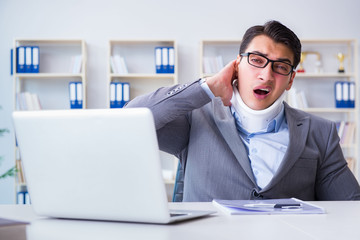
(187, 21)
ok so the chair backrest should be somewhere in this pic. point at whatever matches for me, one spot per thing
(179, 184)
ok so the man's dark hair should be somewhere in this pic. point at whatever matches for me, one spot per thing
(277, 32)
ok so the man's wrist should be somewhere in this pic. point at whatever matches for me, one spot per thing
(206, 88)
(202, 80)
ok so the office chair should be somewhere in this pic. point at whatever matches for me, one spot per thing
(179, 184)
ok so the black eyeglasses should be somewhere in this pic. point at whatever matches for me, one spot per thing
(259, 61)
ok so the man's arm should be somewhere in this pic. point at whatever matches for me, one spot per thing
(171, 107)
(165, 108)
(170, 103)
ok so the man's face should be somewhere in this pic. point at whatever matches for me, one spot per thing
(259, 88)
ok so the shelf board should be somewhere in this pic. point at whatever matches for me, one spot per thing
(48, 41)
(142, 75)
(221, 41)
(330, 110)
(169, 181)
(204, 75)
(324, 75)
(140, 41)
(327, 41)
(48, 75)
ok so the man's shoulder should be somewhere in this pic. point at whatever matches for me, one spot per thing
(213, 110)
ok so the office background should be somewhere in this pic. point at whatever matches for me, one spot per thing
(187, 21)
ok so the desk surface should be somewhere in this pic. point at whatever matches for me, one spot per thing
(340, 222)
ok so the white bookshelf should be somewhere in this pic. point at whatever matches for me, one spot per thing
(317, 82)
(139, 57)
(51, 84)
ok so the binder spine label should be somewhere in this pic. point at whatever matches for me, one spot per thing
(20, 66)
(126, 92)
(35, 60)
(75, 95)
(119, 95)
(158, 61)
(112, 95)
(79, 95)
(165, 60)
(28, 59)
(171, 60)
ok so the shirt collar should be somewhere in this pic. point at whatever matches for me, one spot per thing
(273, 126)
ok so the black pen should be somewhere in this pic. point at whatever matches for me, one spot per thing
(288, 206)
(271, 205)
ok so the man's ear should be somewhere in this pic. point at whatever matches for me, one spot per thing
(291, 80)
(238, 58)
(237, 62)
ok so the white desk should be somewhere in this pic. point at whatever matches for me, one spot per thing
(341, 222)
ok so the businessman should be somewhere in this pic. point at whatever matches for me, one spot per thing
(237, 139)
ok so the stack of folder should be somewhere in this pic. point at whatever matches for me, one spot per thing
(27, 59)
(344, 94)
(28, 101)
(76, 95)
(118, 65)
(165, 59)
(119, 94)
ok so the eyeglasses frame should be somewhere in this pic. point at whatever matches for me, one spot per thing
(247, 54)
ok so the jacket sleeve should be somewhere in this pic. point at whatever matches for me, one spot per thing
(335, 180)
(171, 108)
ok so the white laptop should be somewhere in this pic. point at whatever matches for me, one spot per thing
(100, 164)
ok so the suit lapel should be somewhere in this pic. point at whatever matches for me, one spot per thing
(298, 132)
(225, 122)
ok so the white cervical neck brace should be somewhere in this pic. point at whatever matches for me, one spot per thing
(255, 120)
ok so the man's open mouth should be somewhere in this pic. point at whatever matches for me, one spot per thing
(262, 91)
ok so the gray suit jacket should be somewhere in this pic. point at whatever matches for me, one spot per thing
(201, 132)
